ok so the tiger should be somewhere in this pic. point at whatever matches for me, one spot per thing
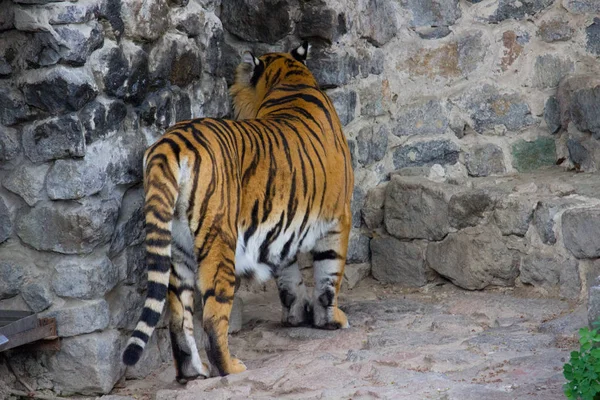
(231, 198)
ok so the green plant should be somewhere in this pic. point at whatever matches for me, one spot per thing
(583, 369)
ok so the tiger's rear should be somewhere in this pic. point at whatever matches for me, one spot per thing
(229, 198)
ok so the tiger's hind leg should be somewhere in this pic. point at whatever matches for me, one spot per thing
(329, 260)
(295, 304)
(188, 364)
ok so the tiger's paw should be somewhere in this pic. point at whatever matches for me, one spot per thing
(190, 374)
(330, 318)
(298, 314)
(237, 366)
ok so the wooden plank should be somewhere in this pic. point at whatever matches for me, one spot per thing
(45, 329)
(21, 325)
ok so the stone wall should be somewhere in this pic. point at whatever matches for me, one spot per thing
(459, 89)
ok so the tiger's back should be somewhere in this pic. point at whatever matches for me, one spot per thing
(227, 198)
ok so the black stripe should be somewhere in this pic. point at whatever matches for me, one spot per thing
(326, 255)
(140, 335)
(150, 317)
(156, 290)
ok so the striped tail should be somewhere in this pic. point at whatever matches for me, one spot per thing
(161, 184)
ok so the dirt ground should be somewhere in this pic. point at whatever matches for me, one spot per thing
(438, 342)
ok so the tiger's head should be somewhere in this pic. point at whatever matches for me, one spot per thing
(256, 76)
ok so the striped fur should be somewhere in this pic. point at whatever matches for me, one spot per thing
(227, 198)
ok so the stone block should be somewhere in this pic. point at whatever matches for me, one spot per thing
(66, 227)
(372, 143)
(358, 199)
(358, 248)
(579, 98)
(378, 22)
(508, 9)
(593, 37)
(474, 258)
(485, 160)
(126, 304)
(546, 214)
(11, 278)
(101, 118)
(372, 211)
(74, 179)
(87, 364)
(529, 156)
(489, 108)
(145, 21)
(79, 317)
(513, 47)
(555, 30)
(468, 208)
(549, 271)
(176, 59)
(318, 21)
(332, 69)
(54, 138)
(36, 19)
(514, 214)
(428, 153)
(37, 295)
(426, 117)
(58, 89)
(131, 264)
(394, 261)
(85, 277)
(581, 232)
(432, 12)
(28, 182)
(549, 70)
(70, 43)
(9, 144)
(130, 225)
(12, 106)
(6, 226)
(344, 102)
(593, 305)
(354, 273)
(552, 114)
(417, 208)
(582, 6)
(164, 107)
(239, 18)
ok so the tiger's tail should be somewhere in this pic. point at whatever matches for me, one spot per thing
(161, 182)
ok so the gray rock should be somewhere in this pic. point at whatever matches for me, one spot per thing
(513, 215)
(54, 138)
(344, 102)
(578, 99)
(376, 62)
(372, 211)
(79, 317)
(468, 208)
(489, 108)
(331, 69)
(394, 261)
(419, 154)
(358, 248)
(58, 89)
(354, 273)
(432, 32)
(131, 264)
(372, 144)
(485, 160)
(12, 106)
(318, 21)
(35, 19)
(71, 43)
(37, 296)
(549, 70)
(6, 225)
(433, 12)
(577, 153)
(87, 364)
(555, 30)
(593, 305)
(239, 18)
(427, 117)
(84, 278)
(474, 258)
(416, 208)
(581, 232)
(551, 271)
(11, 278)
(216, 93)
(176, 59)
(378, 23)
(66, 227)
(165, 107)
(544, 217)
(581, 6)
(358, 199)
(74, 179)
(9, 144)
(552, 114)
(508, 9)
(7, 15)
(101, 118)
(28, 182)
(529, 156)
(593, 37)
(126, 304)
(145, 21)
(566, 325)
(130, 226)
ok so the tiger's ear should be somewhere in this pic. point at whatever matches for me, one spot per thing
(250, 59)
(300, 53)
